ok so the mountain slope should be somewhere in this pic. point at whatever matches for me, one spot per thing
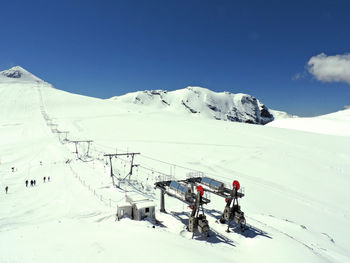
(296, 198)
(337, 123)
(203, 102)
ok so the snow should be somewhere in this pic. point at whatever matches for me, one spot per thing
(135, 197)
(337, 123)
(281, 114)
(295, 182)
(144, 204)
(203, 103)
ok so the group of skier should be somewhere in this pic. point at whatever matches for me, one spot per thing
(31, 182)
(48, 179)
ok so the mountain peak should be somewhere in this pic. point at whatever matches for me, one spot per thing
(17, 73)
(17, 68)
(204, 102)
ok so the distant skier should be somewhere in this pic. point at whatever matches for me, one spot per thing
(34, 182)
(31, 182)
(26, 183)
(44, 179)
(6, 189)
(13, 169)
(48, 179)
(41, 163)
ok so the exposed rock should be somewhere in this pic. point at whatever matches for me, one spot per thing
(196, 100)
(14, 74)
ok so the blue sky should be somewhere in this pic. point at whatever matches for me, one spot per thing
(108, 48)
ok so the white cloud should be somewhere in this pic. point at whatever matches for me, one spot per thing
(330, 68)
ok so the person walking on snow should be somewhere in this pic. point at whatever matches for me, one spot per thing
(44, 178)
(6, 189)
(26, 183)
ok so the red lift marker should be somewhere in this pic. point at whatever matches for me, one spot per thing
(200, 188)
(236, 184)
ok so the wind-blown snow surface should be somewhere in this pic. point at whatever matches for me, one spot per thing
(296, 201)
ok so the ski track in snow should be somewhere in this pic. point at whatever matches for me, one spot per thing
(312, 247)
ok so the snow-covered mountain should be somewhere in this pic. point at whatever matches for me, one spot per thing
(204, 102)
(18, 74)
(296, 199)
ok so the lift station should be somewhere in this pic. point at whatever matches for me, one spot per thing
(184, 190)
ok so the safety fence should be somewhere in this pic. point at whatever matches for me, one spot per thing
(109, 202)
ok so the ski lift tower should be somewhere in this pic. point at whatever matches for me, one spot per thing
(132, 165)
(76, 146)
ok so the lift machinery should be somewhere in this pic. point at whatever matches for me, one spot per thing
(184, 190)
(230, 213)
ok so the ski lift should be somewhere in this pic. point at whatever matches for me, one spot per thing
(193, 198)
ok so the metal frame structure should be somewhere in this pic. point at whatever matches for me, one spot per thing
(110, 155)
(183, 190)
(230, 213)
(76, 146)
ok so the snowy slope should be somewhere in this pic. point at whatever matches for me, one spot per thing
(281, 114)
(205, 103)
(337, 123)
(296, 201)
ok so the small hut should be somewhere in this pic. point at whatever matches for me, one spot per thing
(137, 207)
